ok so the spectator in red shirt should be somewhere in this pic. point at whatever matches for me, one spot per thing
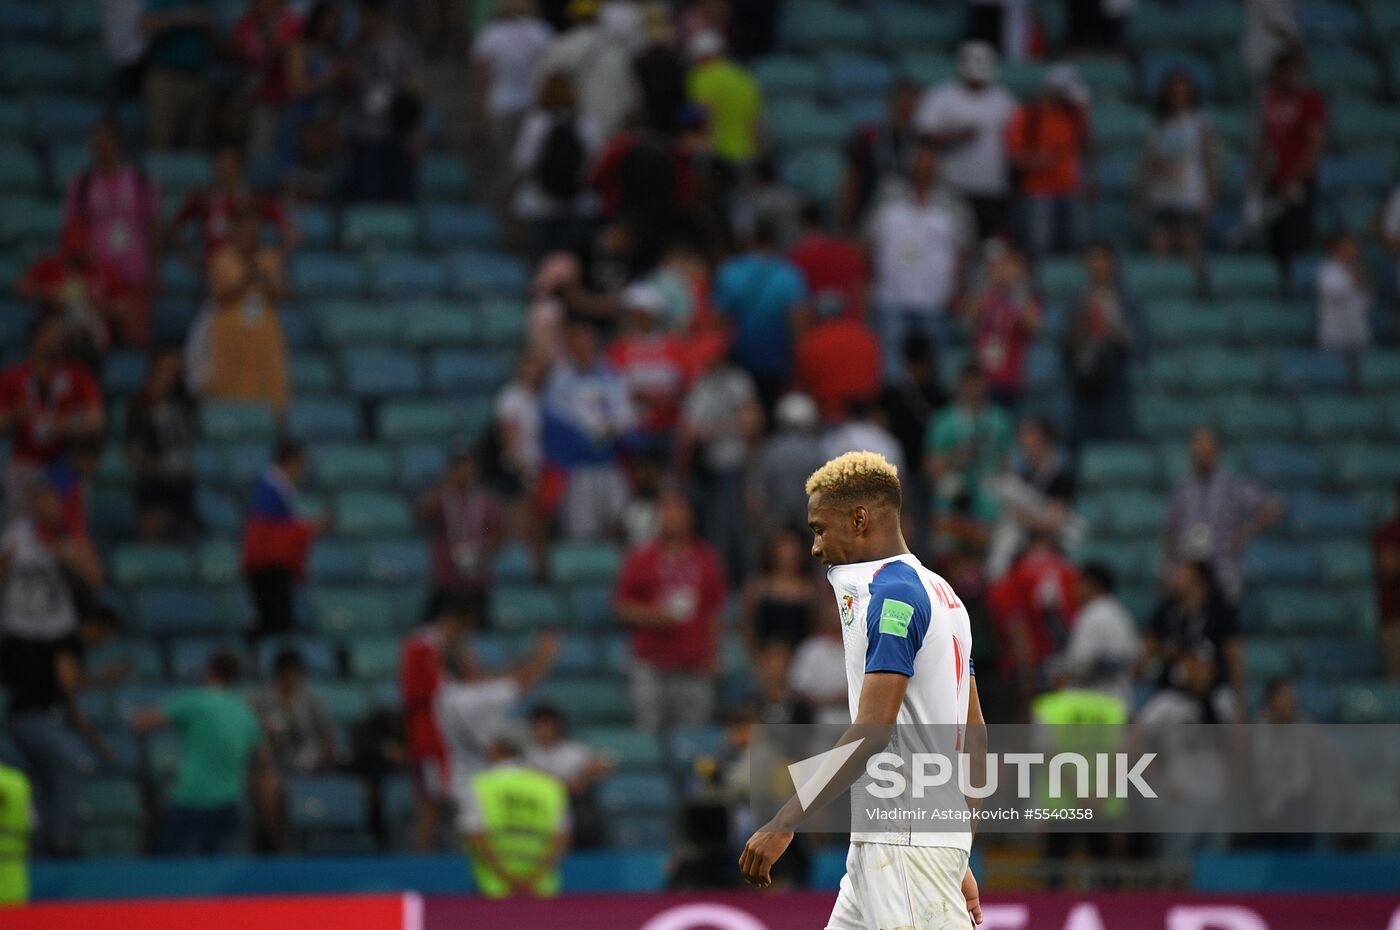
(466, 522)
(1292, 136)
(47, 403)
(429, 657)
(838, 361)
(652, 363)
(1049, 143)
(263, 38)
(671, 592)
(119, 207)
(1385, 544)
(277, 540)
(216, 208)
(1004, 316)
(1032, 606)
(833, 266)
(87, 294)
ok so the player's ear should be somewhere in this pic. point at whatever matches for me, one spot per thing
(860, 518)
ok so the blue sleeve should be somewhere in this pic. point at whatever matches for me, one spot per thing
(896, 619)
(971, 669)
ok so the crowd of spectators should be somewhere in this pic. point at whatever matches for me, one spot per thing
(698, 341)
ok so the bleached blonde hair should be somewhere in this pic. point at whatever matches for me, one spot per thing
(856, 476)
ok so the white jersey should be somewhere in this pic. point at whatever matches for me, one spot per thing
(897, 616)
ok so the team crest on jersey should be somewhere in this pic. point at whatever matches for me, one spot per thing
(848, 606)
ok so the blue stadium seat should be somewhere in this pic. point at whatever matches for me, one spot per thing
(1315, 516)
(336, 560)
(373, 657)
(408, 275)
(521, 607)
(19, 169)
(473, 274)
(1268, 562)
(1327, 417)
(444, 178)
(856, 75)
(25, 220)
(1118, 465)
(379, 226)
(189, 658)
(440, 421)
(318, 419)
(583, 562)
(66, 118)
(641, 831)
(1333, 23)
(635, 792)
(345, 610)
(591, 606)
(1340, 660)
(220, 512)
(367, 514)
(137, 564)
(453, 226)
(382, 373)
(175, 610)
(917, 25)
(315, 224)
(1281, 465)
(313, 374)
(787, 75)
(318, 654)
(420, 464)
(685, 744)
(346, 465)
(356, 322)
(397, 561)
(1250, 418)
(818, 25)
(514, 562)
(434, 325)
(926, 68)
(798, 122)
(502, 321)
(815, 172)
(453, 370)
(1369, 464)
(327, 802)
(110, 800)
(629, 749)
(328, 274)
(1311, 371)
(232, 421)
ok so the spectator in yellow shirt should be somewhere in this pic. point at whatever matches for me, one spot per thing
(729, 94)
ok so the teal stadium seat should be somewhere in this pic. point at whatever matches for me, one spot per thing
(179, 173)
(336, 560)
(904, 25)
(313, 373)
(317, 419)
(819, 25)
(352, 465)
(459, 370)
(1218, 370)
(1376, 702)
(926, 68)
(19, 169)
(797, 123)
(328, 274)
(1309, 370)
(110, 800)
(1233, 276)
(136, 564)
(1260, 323)
(1369, 465)
(444, 177)
(343, 611)
(816, 172)
(1342, 416)
(189, 658)
(636, 791)
(431, 324)
(367, 514)
(1250, 418)
(1265, 659)
(327, 802)
(379, 226)
(630, 749)
(457, 226)
(1104, 465)
(382, 373)
(787, 75)
(583, 562)
(354, 322)
(481, 273)
(373, 657)
(1345, 563)
(230, 421)
(397, 561)
(525, 607)
(394, 276)
(586, 701)
(1288, 466)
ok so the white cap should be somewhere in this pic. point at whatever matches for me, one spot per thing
(705, 44)
(643, 297)
(797, 411)
(977, 61)
(1064, 80)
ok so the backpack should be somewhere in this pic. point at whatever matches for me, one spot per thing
(559, 167)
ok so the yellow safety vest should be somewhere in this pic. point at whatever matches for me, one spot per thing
(520, 813)
(16, 823)
(1096, 721)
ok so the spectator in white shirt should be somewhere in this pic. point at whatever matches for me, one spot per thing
(1103, 647)
(919, 240)
(1343, 299)
(862, 430)
(575, 763)
(504, 55)
(967, 118)
(817, 674)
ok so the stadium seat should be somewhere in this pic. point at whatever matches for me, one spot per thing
(629, 749)
(1327, 417)
(420, 464)
(327, 802)
(1249, 418)
(457, 371)
(1369, 465)
(318, 654)
(356, 323)
(350, 610)
(379, 226)
(443, 178)
(1118, 127)
(1233, 276)
(313, 374)
(315, 225)
(1261, 323)
(1165, 417)
(339, 466)
(514, 562)
(323, 419)
(1304, 371)
(382, 373)
(373, 657)
(1345, 563)
(19, 169)
(25, 219)
(433, 324)
(366, 514)
(502, 321)
(516, 607)
(1187, 323)
(787, 75)
(220, 513)
(1219, 370)
(1333, 23)
(1117, 465)
(336, 560)
(54, 117)
(817, 25)
(799, 123)
(110, 800)
(582, 562)
(328, 274)
(159, 610)
(1107, 76)
(395, 276)
(189, 658)
(926, 68)
(1293, 612)
(1266, 659)
(228, 421)
(1268, 562)
(641, 831)
(587, 701)
(591, 606)
(137, 564)
(1377, 702)
(685, 744)
(1317, 516)
(396, 561)
(816, 172)
(916, 25)
(1343, 660)
(635, 791)
(473, 274)
(1158, 64)
(856, 75)
(425, 420)
(1288, 466)
(453, 226)
(179, 173)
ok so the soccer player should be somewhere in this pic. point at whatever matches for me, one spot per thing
(907, 641)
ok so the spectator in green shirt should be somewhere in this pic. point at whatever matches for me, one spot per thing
(729, 94)
(966, 447)
(220, 741)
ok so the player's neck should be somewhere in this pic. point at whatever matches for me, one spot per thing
(889, 547)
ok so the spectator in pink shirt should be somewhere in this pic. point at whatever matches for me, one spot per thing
(120, 207)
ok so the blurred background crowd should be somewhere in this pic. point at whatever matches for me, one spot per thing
(396, 387)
